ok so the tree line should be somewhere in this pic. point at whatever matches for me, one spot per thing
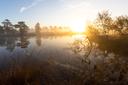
(104, 24)
(53, 30)
(21, 28)
(7, 28)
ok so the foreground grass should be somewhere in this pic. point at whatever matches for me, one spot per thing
(32, 71)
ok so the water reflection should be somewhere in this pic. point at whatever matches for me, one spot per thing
(38, 40)
(117, 46)
(11, 42)
(8, 42)
(85, 63)
(23, 42)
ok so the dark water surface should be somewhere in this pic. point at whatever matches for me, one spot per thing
(61, 60)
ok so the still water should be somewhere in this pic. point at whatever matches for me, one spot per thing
(55, 48)
(65, 60)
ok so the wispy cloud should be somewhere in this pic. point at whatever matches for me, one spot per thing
(79, 5)
(78, 10)
(75, 4)
(34, 3)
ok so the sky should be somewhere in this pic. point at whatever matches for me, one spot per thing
(59, 12)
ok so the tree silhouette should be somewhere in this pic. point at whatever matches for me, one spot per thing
(38, 41)
(38, 28)
(7, 26)
(23, 28)
(104, 21)
(121, 23)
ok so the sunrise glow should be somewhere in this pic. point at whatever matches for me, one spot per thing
(78, 26)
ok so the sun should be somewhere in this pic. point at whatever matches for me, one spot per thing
(78, 26)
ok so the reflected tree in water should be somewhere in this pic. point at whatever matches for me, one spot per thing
(38, 40)
(1, 30)
(11, 42)
(8, 42)
(23, 42)
(2, 41)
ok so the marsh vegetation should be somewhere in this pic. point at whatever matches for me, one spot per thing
(57, 56)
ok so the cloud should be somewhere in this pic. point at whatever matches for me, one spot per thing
(34, 3)
(78, 10)
(79, 5)
(22, 9)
